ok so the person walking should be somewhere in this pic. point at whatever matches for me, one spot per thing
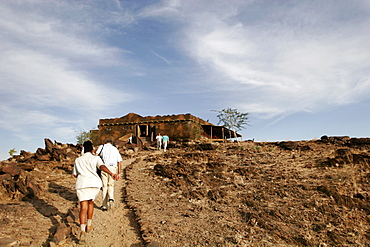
(165, 140)
(88, 184)
(112, 160)
(159, 141)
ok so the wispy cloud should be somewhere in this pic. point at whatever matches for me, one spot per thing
(298, 56)
(44, 65)
(50, 50)
(161, 57)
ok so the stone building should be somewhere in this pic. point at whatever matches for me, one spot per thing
(177, 127)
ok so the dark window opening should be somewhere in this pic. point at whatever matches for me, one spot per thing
(143, 130)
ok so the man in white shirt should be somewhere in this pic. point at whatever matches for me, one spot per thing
(159, 141)
(112, 160)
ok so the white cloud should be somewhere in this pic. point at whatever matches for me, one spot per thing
(14, 118)
(49, 81)
(50, 52)
(301, 57)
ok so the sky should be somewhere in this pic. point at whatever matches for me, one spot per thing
(299, 68)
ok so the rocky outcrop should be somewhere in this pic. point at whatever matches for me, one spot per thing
(17, 183)
(16, 178)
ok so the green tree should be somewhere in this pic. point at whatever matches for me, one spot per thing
(82, 136)
(12, 152)
(232, 119)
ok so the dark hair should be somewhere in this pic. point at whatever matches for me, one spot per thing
(88, 146)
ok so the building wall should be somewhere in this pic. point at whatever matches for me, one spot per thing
(177, 127)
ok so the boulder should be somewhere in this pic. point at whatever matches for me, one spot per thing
(62, 232)
(289, 145)
(11, 169)
(49, 145)
(7, 242)
(74, 214)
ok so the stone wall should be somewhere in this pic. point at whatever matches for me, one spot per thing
(177, 127)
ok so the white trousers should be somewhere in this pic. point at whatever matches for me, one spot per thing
(108, 185)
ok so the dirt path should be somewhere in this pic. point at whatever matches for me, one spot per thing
(117, 227)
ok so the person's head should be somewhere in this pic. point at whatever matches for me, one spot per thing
(108, 141)
(88, 146)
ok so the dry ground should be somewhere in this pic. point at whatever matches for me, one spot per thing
(228, 194)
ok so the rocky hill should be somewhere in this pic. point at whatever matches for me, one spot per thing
(306, 193)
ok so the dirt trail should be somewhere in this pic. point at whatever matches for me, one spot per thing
(115, 227)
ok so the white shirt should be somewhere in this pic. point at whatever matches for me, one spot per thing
(109, 154)
(85, 169)
(159, 138)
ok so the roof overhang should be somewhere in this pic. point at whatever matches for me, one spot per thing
(220, 132)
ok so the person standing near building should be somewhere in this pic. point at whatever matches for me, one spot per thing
(165, 140)
(112, 160)
(159, 141)
(88, 184)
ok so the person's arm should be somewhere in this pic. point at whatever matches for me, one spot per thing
(74, 171)
(105, 169)
(119, 169)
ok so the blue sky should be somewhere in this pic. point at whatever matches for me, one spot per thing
(300, 68)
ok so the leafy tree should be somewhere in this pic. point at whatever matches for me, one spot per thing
(12, 152)
(82, 136)
(232, 119)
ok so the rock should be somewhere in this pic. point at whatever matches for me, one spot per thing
(21, 186)
(44, 157)
(41, 151)
(344, 152)
(288, 145)
(6, 242)
(62, 232)
(7, 185)
(33, 188)
(74, 214)
(52, 244)
(209, 146)
(49, 145)
(69, 219)
(11, 169)
(153, 244)
(5, 177)
(360, 141)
